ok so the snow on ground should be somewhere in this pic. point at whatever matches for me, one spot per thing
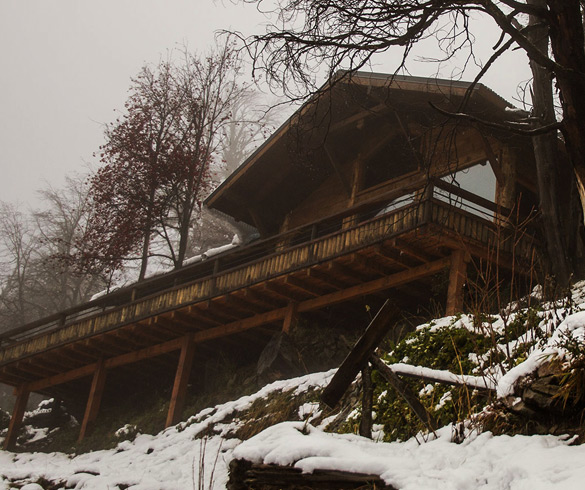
(170, 460)
(481, 461)
(177, 459)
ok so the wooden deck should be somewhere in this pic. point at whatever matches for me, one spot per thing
(366, 250)
(439, 221)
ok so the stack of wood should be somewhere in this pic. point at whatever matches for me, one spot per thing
(245, 475)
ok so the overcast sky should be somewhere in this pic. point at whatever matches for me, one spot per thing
(66, 65)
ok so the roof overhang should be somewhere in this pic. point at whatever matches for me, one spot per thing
(295, 160)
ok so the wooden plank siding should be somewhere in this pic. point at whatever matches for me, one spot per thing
(468, 227)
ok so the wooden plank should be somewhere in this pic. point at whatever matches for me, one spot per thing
(405, 392)
(57, 379)
(130, 357)
(325, 300)
(153, 351)
(305, 286)
(381, 284)
(16, 419)
(181, 381)
(240, 325)
(94, 400)
(359, 355)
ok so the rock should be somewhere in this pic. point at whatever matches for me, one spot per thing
(542, 395)
(279, 359)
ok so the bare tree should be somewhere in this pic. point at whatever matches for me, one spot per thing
(251, 122)
(348, 33)
(158, 159)
(211, 91)
(19, 242)
(61, 226)
(37, 273)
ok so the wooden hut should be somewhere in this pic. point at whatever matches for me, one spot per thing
(367, 189)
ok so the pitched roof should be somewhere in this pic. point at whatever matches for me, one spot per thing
(293, 161)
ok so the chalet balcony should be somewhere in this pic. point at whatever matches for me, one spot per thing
(365, 250)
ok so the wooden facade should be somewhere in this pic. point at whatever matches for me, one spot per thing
(352, 197)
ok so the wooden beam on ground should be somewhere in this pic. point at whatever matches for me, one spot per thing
(290, 318)
(16, 419)
(358, 357)
(181, 381)
(457, 277)
(94, 400)
(367, 421)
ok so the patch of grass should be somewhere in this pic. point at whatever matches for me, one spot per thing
(278, 407)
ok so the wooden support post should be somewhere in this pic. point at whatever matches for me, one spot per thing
(181, 381)
(367, 421)
(457, 277)
(16, 419)
(94, 400)
(290, 317)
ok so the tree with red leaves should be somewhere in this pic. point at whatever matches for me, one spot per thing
(157, 160)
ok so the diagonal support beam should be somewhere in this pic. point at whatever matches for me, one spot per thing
(358, 357)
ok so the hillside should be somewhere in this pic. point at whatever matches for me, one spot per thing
(523, 431)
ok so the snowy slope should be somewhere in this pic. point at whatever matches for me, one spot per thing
(179, 458)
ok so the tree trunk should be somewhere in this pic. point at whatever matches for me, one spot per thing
(547, 157)
(568, 47)
(147, 232)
